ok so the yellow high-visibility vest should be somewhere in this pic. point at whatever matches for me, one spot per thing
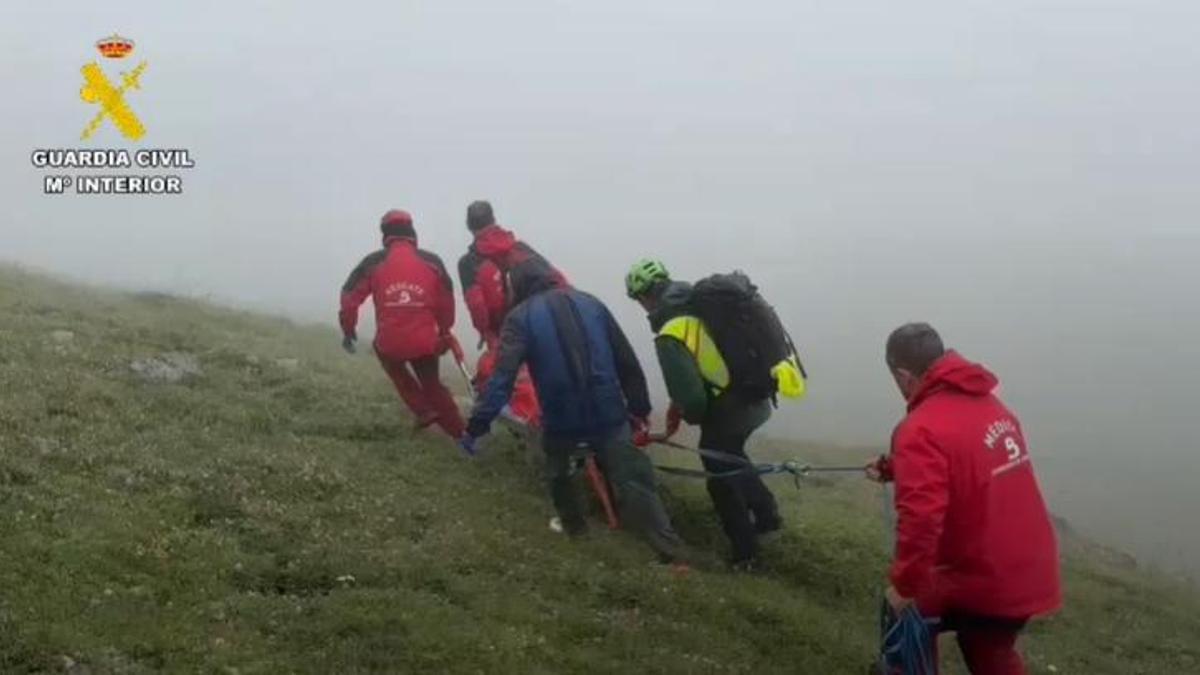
(691, 332)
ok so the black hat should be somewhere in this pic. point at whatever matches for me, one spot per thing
(479, 215)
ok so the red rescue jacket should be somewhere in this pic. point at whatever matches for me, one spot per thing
(523, 402)
(481, 271)
(414, 300)
(973, 533)
(483, 292)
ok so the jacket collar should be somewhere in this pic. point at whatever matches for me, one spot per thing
(953, 373)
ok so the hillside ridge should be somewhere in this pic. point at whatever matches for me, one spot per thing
(188, 488)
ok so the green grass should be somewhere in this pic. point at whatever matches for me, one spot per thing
(264, 517)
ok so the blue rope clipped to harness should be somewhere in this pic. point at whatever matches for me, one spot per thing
(907, 646)
(744, 465)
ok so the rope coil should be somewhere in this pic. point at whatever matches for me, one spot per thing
(907, 646)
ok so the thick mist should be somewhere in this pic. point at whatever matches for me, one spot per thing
(1020, 175)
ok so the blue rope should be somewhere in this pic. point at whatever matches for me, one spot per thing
(764, 469)
(907, 647)
(744, 465)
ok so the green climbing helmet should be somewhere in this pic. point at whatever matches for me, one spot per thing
(643, 275)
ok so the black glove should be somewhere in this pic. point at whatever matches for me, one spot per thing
(348, 344)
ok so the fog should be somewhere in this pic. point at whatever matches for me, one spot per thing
(1023, 175)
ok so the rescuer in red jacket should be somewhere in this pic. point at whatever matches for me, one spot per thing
(482, 271)
(974, 541)
(414, 312)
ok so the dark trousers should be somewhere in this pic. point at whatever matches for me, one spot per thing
(632, 477)
(988, 644)
(744, 504)
(421, 389)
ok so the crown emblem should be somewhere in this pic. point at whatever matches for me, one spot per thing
(114, 47)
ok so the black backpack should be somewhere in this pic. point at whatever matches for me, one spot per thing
(746, 330)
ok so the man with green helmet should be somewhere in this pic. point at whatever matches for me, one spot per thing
(702, 392)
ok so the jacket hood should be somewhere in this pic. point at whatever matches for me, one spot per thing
(530, 278)
(953, 372)
(672, 302)
(494, 241)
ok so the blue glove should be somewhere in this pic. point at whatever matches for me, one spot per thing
(469, 444)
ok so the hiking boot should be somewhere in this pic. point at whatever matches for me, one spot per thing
(745, 566)
(768, 527)
(768, 531)
(558, 527)
(574, 530)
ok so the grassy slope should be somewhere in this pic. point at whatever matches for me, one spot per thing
(261, 519)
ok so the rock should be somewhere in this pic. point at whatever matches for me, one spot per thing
(74, 667)
(171, 367)
(62, 342)
(44, 446)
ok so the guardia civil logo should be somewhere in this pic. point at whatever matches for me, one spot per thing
(109, 95)
(108, 88)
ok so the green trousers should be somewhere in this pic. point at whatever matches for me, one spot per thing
(631, 475)
(743, 502)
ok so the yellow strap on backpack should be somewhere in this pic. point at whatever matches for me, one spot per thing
(790, 378)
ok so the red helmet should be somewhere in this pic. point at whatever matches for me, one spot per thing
(396, 217)
(397, 223)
